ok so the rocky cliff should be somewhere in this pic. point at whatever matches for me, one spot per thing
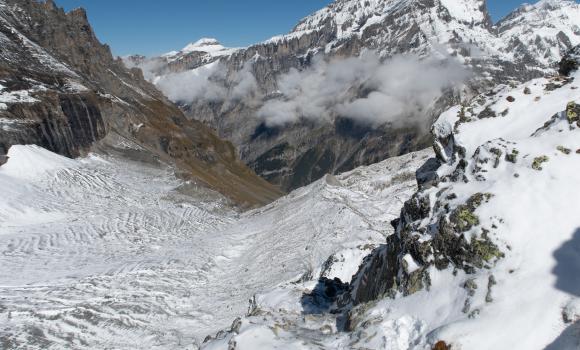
(60, 88)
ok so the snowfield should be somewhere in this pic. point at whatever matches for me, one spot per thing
(105, 253)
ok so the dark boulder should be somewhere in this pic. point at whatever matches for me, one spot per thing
(427, 174)
(570, 62)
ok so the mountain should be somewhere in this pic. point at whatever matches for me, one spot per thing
(241, 93)
(484, 255)
(194, 55)
(541, 33)
(63, 90)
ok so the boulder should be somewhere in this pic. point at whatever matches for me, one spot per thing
(570, 62)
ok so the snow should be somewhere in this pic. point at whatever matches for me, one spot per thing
(103, 252)
(535, 213)
(75, 86)
(465, 10)
(31, 162)
(529, 301)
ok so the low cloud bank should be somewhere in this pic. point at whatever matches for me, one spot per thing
(366, 89)
(209, 83)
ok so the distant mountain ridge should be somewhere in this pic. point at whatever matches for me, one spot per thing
(514, 49)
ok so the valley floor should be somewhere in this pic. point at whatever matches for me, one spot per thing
(102, 252)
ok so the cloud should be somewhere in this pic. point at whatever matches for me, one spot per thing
(151, 67)
(209, 83)
(201, 83)
(365, 89)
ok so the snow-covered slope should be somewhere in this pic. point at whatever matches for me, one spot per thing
(353, 17)
(485, 256)
(102, 252)
(544, 31)
(537, 34)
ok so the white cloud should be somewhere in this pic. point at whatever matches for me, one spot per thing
(397, 91)
(366, 89)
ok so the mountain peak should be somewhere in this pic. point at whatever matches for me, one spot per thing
(204, 42)
(205, 45)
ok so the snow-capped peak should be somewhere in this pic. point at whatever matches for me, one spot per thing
(353, 16)
(209, 46)
(204, 44)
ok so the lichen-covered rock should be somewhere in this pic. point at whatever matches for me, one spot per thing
(573, 112)
(436, 229)
(430, 234)
(564, 150)
(538, 161)
(513, 156)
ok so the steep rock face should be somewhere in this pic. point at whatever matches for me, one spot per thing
(300, 152)
(61, 89)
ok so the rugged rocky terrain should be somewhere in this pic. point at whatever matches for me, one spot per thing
(63, 90)
(526, 44)
(484, 255)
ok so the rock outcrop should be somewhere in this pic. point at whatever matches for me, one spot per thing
(60, 88)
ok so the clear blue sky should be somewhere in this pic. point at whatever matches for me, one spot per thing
(157, 26)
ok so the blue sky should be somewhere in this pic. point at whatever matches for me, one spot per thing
(154, 27)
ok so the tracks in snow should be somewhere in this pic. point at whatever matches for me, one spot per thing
(110, 254)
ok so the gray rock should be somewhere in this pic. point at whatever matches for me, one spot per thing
(570, 62)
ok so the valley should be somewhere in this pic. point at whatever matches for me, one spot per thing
(102, 252)
(397, 174)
